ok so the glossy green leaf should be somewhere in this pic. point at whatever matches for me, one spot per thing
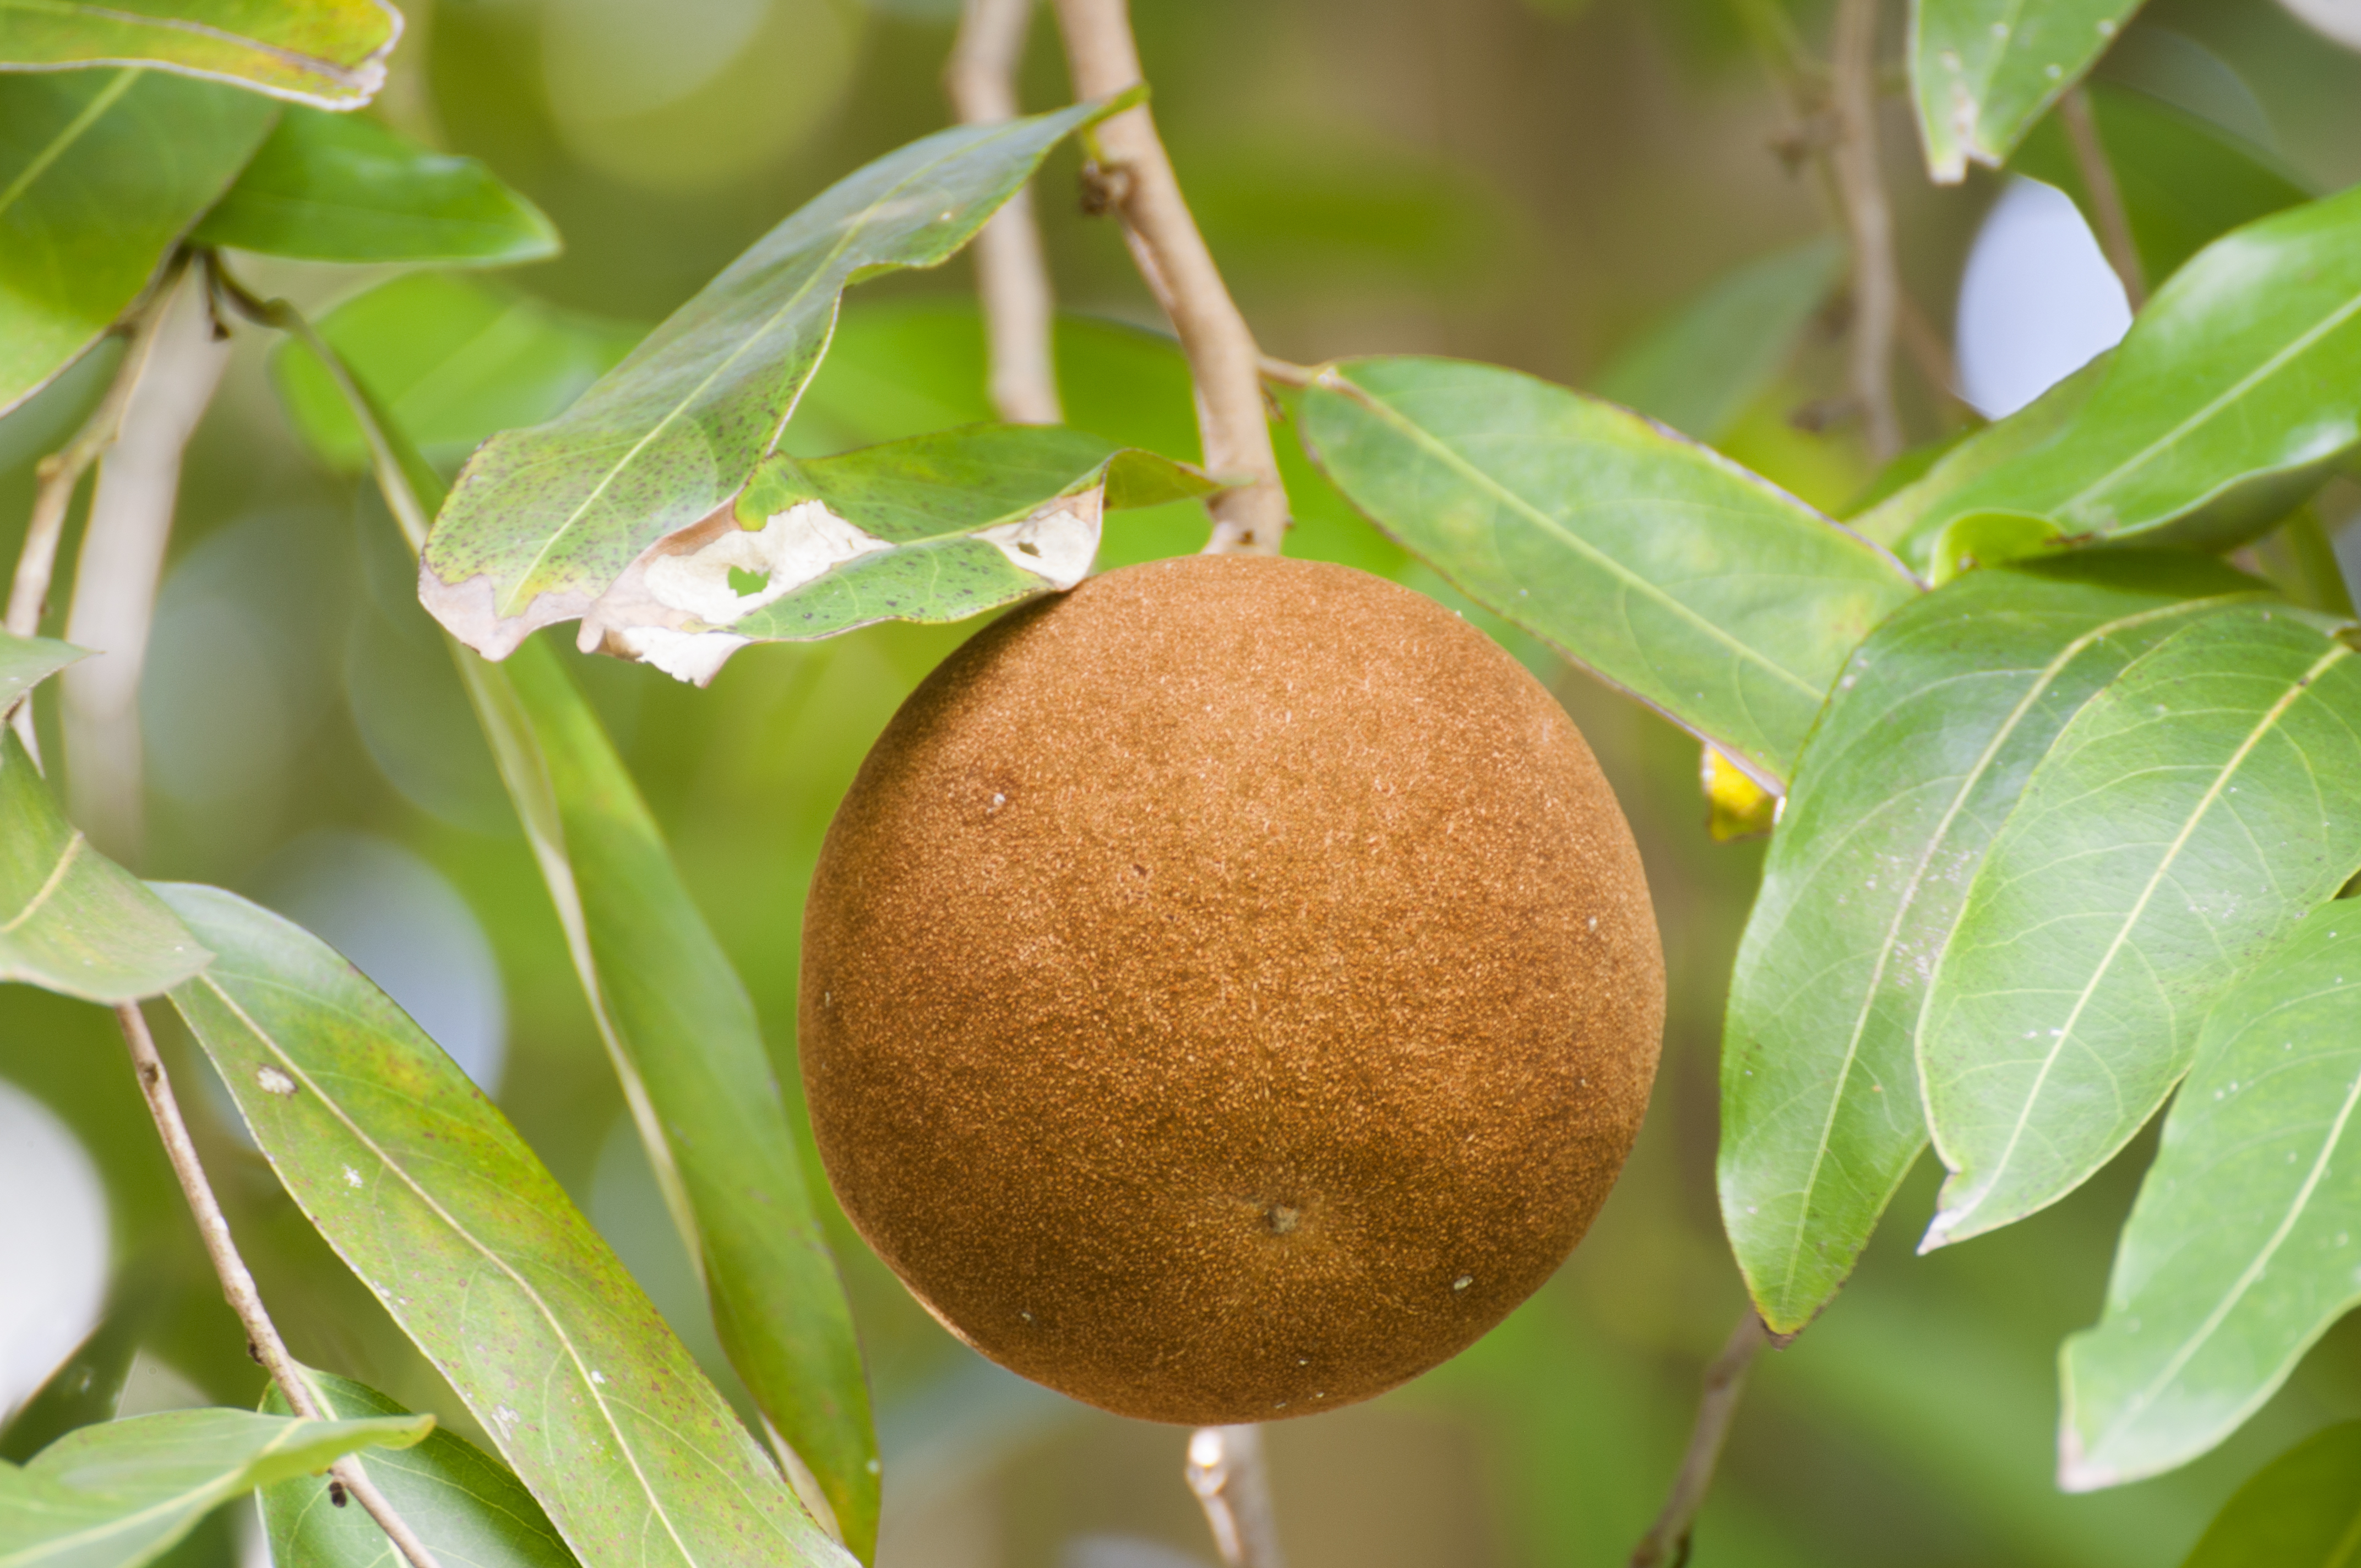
(1982, 539)
(101, 174)
(26, 662)
(1982, 71)
(117, 1495)
(464, 1505)
(1913, 516)
(543, 521)
(684, 1040)
(429, 1197)
(1698, 370)
(328, 52)
(2301, 1510)
(2245, 1243)
(2185, 181)
(1672, 572)
(1936, 724)
(938, 527)
(71, 920)
(451, 359)
(2185, 820)
(2236, 392)
(328, 187)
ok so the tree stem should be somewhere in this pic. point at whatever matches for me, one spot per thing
(59, 474)
(1233, 1486)
(1012, 279)
(237, 1284)
(2114, 222)
(1137, 180)
(1869, 224)
(1667, 1540)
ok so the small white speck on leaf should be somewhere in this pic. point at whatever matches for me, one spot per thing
(352, 1177)
(1462, 1282)
(274, 1081)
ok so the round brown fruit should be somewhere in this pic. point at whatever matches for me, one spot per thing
(1228, 989)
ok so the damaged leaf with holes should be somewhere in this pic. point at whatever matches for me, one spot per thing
(544, 521)
(938, 527)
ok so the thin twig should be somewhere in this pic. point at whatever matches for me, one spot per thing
(1012, 279)
(1667, 1540)
(1869, 224)
(1287, 373)
(1233, 1486)
(58, 474)
(399, 487)
(1928, 350)
(120, 562)
(1136, 179)
(237, 1285)
(2114, 221)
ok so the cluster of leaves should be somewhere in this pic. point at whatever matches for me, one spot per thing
(2059, 832)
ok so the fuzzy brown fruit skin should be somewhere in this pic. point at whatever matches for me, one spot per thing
(1228, 989)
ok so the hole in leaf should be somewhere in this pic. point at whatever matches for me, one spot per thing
(1027, 546)
(742, 582)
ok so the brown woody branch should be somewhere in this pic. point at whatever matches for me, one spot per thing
(59, 474)
(1667, 1540)
(1012, 279)
(1135, 180)
(1233, 1486)
(1869, 224)
(237, 1284)
(2114, 221)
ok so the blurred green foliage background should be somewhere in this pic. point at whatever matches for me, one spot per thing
(1529, 182)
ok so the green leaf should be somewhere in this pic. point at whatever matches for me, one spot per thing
(72, 921)
(328, 52)
(1669, 571)
(101, 174)
(938, 527)
(2242, 1249)
(2236, 392)
(1982, 71)
(2301, 1510)
(466, 1506)
(429, 1197)
(451, 359)
(1913, 517)
(26, 662)
(1935, 726)
(684, 1040)
(117, 1495)
(342, 187)
(1699, 371)
(543, 521)
(2184, 821)
(2185, 181)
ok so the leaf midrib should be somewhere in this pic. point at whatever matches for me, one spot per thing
(223, 1484)
(344, 76)
(851, 232)
(75, 130)
(1421, 437)
(2214, 406)
(2253, 1271)
(2263, 726)
(2046, 677)
(574, 1356)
